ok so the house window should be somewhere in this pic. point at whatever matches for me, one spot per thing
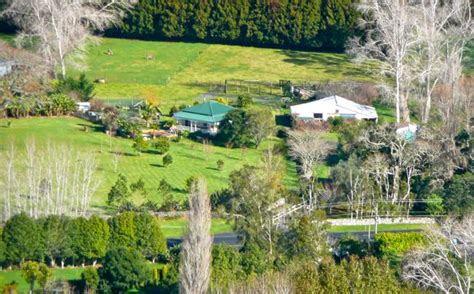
(205, 126)
(187, 123)
(318, 115)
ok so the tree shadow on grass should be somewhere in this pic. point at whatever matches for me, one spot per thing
(124, 153)
(94, 127)
(157, 165)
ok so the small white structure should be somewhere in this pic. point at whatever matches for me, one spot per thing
(408, 131)
(83, 106)
(6, 66)
(333, 106)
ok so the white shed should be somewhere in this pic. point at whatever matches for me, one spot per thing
(332, 106)
(83, 106)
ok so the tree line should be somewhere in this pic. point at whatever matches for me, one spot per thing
(308, 24)
(79, 241)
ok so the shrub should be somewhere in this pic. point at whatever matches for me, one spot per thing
(140, 144)
(189, 182)
(244, 100)
(167, 160)
(82, 88)
(220, 164)
(90, 278)
(222, 100)
(161, 145)
(173, 110)
(139, 185)
(394, 245)
(164, 186)
(335, 123)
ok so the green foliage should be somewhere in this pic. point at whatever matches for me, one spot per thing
(309, 24)
(244, 101)
(306, 238)
(82, 88)
(139, 185)
(349, 245)
(23, 240)
(434, 205)
(190, 182)
(3, 250)
(61, 104)
(220, 164)
(90, 278)
(335, 123)
(123, 230)
(226, 266)
(34, 272)
(459, 194)
(90, 238)
(150, 240)
(119, 192)
(261, 124)
(167, 160)
(140, 144)
(395, 245)
(122, 269)
(355, 276)
(161, 145)
(57, 238)
(234, 129)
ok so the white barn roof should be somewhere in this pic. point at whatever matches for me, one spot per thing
(334, 106)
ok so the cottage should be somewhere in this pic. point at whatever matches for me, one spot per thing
(203, 117)
(6, 66)
(333, 106)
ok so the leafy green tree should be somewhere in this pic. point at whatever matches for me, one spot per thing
(149, 112)
(161, 145)
(434, 205)
(90, 278)
(23, 239)
(90, 238)
(261, 124)
(122, 269)
(226, 267)
(3, 250)
(139, 185)
(150, 240)
(57, 240)
(34, 272)
(62, 104)
(306, 238)
(167, 160)
(234, 129)
(459, 194)
(82, 88)
(394, 245)
(220, 164)
(119, 193)
(244, 101)
(140, 144)
(123, 230)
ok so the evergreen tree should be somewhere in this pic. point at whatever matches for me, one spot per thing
(119, 193)
(123, 230)
(150, 240)
(23, 239)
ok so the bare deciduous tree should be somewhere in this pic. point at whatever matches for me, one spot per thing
(308, 148)
(46, 181)
(196, 254)
(391, 39)
(62, 28)
(446, 265)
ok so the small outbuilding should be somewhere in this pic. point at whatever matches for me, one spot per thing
(333, 106)
(83, 106)
(203, 117)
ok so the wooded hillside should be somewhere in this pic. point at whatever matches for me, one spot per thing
(303, 24)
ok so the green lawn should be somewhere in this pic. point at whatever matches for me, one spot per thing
(180, 72)
(173, 228)
(67, 274)
(384, 227)
(189, 158)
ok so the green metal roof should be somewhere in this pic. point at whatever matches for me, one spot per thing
(209, 112)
